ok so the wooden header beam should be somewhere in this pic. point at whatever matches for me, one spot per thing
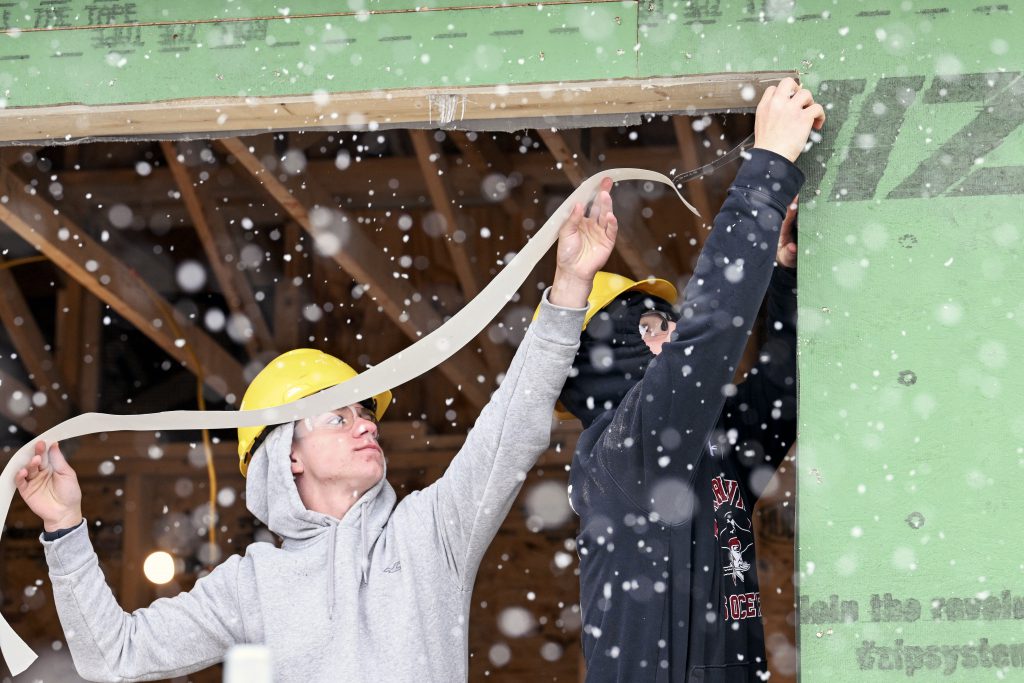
(565, 104)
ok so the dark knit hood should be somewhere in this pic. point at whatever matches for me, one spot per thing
(612, 356)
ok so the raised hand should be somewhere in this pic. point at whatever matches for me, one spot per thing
(786, 253)
(50, 488)
(585, 241)
(785, 116)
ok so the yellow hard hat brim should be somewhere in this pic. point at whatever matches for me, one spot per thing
(607, 286)
(291, 376)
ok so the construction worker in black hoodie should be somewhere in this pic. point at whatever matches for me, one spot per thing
(674, 455)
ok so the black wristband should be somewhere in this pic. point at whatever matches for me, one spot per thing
(59, 533)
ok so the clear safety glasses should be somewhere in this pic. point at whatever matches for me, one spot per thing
(342, 420)
(653, 324)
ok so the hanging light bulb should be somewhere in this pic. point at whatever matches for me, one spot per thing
(159, 567)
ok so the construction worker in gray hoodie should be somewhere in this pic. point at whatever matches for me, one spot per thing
(361, 589)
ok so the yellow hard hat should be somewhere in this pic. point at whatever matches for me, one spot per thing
(607, 286)
(293, 375)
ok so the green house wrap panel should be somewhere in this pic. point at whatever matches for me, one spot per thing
(912, 238)
(911, 344)
(111, 53)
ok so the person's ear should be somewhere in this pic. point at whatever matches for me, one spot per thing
(297, 467)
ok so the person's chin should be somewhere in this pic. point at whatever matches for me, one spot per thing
(373, 476)
(371, 454)
(375, 464)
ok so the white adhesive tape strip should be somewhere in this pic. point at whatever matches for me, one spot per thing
(420, 357)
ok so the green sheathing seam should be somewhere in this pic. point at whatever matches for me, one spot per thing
(147, 53)
(911, 321)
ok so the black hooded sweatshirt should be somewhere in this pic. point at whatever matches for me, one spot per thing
(666, 480)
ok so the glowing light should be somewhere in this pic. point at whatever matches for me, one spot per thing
(159, 567)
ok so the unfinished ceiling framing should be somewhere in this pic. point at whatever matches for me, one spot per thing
(166, 261)
(137, 273)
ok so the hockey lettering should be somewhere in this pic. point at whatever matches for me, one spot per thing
(726, 491)
(742, 606)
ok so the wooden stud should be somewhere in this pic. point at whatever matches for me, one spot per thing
(695, 190)
(134, 540)
(36, 419)
(532, 194)
(288, 298)
(67, 334)
(572, 163)
(78, 337)
(24, 333)
(220, 252)
(91, 358)
(482, 154)
(436, 174)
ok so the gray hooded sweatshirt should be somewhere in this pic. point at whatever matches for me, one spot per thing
(380, 595)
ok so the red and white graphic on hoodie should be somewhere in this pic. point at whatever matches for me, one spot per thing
(735, 536)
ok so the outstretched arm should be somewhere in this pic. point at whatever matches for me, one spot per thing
(679, 400)
(677, 404)
(468, 504)
(171, 637)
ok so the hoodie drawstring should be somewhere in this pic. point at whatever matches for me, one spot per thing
(330, 572)
(364, 560)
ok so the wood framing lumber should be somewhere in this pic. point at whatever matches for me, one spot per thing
(482, 155)
(436, 175)
(16, 405)
(363, 260)
(72, 250)
(220, 251)
(572, 103)
(24, 333)
(635, 243)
